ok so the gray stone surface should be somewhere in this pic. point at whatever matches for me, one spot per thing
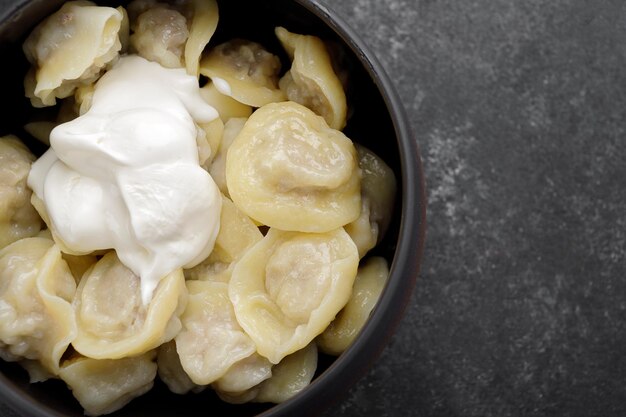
(519, 108)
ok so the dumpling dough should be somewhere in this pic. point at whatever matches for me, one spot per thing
(171, 371)
(211, 340)
(293, 374)
(232, 128)
(369, 284)
(159, 35)
(174, 35)
(104, 386)
(70, 48)
(287, 169)
(311, 81)
(36, 290)
(289, 287)
(237, 234)
(18, 218)
(378, 192)
(209, 138)
(112, 320)
(245, 71)
(226, 106)
(244, 375)
(203, 25)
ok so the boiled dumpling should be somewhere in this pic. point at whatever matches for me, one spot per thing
(175, 34)
(311, 80)
(369, 284)
(226, 106)
(293, 374)
(211, 340)
(171, 371)
(232, 128)
(289, 287)
(287, 169)
(112, 320)
(244, 375)
(203, 25)
(70, 48)
(159, 35)
(378, 190)
(237, 234)
(209, 138)
(18, 218)
(245, 71)
(104, 386)
(36, 317)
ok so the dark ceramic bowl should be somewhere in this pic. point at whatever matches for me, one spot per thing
(377, 121)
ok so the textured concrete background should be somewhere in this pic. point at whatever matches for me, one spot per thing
(519, 108)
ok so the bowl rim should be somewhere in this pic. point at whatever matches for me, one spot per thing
(351, 365)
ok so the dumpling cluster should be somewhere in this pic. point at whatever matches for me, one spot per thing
(290, 273)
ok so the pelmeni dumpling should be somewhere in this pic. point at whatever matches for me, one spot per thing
(171, 371)
(203, 25)
(288, 287)
(226, 106)
(378, 191)
(104, 386)
(287, 169)
(211, 340)
(79, 264)
(368, 285)
(232, 128)
(112, 320)
(209, 139)
(237, 234)
(244, 375)
(70, 48)
(36, 289)
(245, 71)
(159, 35)
(293, 374)
(311, 81)
(18, 218)
(173, 34)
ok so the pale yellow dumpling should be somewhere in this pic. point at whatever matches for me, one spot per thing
(18, 218)
(293, 374)
(211, 339)
(290, 286)
(209, 139)
(201, 30)
(112, 320)
(173, 34)
(245, 71)
(159, 35)
(104, 386)
(311, 81)
(70, 48)
(287, 169)
(36, 289)
(378, 191)
(232, 128)
(369, 284)
(226, 106)
(244, 375)
(171, 371)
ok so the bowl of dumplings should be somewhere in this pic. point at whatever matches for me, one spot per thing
(207, 207)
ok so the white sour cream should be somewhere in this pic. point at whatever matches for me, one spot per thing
(125, 175)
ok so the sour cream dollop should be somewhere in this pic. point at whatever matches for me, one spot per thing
(125, 175)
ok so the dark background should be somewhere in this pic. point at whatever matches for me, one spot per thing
(519, 108)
